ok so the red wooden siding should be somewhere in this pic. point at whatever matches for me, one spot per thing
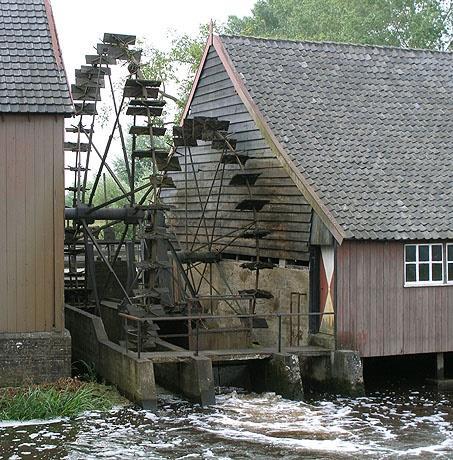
(31, 223)
(377, 315)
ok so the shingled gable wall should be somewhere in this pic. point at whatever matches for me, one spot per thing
(288, 214)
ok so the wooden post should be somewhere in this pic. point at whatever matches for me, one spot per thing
(440, 368)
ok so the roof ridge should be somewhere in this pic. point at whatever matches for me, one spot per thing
(352, 45)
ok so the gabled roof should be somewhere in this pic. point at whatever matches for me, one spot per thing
(32, 76)
(366, 132)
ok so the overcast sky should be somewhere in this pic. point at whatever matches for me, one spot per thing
(81, 23)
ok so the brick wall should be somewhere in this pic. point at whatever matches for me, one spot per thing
(35, 357)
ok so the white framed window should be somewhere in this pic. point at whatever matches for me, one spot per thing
(424, 264)
(449, 263)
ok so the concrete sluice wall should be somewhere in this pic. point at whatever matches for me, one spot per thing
(195, 377)
(97, 341)
(228, 277)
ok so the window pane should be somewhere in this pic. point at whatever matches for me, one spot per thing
(450, 272)
(450, 252)
(410, 273)
(437, 272)
(423, 272)
(410, 253)
(423, 253)
(436, 252)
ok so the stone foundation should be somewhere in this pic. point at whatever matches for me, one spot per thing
(34, 357)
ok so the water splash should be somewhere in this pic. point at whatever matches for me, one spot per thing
(384, 425)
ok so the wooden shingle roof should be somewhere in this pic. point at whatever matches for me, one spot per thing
(365, 131)
(32, 76)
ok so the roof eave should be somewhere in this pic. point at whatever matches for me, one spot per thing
(306, 189)
(57, 52)
(209, 43)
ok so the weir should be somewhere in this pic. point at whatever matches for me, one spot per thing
(195, 374)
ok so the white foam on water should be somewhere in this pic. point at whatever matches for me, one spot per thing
(252, 426)
(18, 423)
(364, 425)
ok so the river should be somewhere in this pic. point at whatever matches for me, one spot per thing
(384, 424)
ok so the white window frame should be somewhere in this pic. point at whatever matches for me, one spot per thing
(447, 263)
(430, 262)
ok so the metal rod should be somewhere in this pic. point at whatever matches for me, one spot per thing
(239, 316)
(109, 169)
(115, 258)
(118, 198)
(125, 330)
(279, 333)
(139, 338)
(106, 151)
(197, 347)
(93, 239)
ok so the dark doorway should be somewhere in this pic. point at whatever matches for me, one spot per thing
(314, 300)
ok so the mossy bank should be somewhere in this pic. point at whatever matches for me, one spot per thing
(64, 398)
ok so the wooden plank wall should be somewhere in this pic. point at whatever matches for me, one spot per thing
(31, 223)
(377, 315)
(288, 215)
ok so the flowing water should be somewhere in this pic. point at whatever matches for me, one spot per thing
(412, 424)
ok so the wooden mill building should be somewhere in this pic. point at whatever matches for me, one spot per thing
(355, 149)
(34, 100)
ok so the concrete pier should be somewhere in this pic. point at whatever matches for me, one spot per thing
(339, 372)
(441, 382)
(282, 375)
(191, 378)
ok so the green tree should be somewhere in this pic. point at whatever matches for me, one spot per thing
(177, 66)
(404, 23)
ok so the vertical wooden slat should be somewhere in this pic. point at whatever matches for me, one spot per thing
(352, 283)
(357, 307)
(11, 205)
(448, 322)
(48, 218)
(342, 293)
(20, 211)
(3, 227)
(58, 180)
(40, 250)
(380, 300)
(30, 230)
(384, 302)
(398, 297)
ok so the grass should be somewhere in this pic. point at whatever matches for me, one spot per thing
(64, 398)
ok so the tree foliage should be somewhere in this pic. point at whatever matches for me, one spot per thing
(176, 67)
(404, 23)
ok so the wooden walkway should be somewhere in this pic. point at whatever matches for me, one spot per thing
(180, 355)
